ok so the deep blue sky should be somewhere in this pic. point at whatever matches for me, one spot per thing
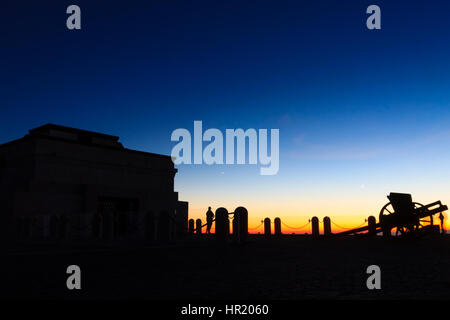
(355, 108)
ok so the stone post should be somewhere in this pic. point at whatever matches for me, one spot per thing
(326, 226)
(267, 227)
(198, 226)
(191, 226)
(221, 224)
(242, 218)
(277, 226)
(371, 222)
(315, 227)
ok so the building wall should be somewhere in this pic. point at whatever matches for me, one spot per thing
(89, 191)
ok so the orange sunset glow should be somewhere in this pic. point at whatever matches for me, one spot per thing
(294, 215)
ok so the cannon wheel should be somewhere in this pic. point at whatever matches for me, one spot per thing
(404, 229)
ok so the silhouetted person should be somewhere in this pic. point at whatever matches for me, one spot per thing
(441, 217)
(209, 220)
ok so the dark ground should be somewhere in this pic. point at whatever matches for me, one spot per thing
(294, 267)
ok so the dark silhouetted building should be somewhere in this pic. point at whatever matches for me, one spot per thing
(63, 183)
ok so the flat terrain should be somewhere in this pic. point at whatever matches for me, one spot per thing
(293, 267)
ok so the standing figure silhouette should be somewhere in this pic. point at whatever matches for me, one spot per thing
(441, 217)
(209, 220)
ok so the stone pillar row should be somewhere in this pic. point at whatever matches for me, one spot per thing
(222, 225)
(104, 226)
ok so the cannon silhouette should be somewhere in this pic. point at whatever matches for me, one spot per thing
(404, 215)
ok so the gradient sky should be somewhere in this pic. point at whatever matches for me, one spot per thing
(361, 113)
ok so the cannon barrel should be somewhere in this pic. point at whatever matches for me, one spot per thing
(428, 210)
